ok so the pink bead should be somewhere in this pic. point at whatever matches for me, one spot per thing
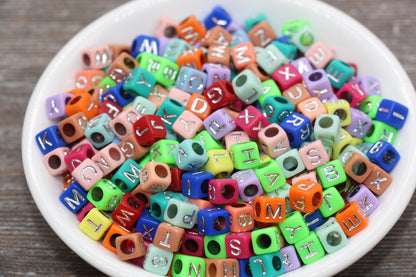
(251, 121)
(54, 161)
(77, 154)
(187, 125)
(311, 176)
(165, 27)
(319, 55)
(286, 76)
(223, 191)
(238, 245)
(87, 174)
(313, 154)
(235, 137)
(88, 207)
(353, 93)
(274, 141)
(122, 125)
(109, 158)
(179, 95)
(97, 57)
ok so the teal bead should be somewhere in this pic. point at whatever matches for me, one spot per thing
(253, 20)
(332, 202)
(170, 110)
(277, 108)
(265, 240)
(247, 86)
(271, 59)
(162, 151)
(310, 248)
(99, 132)
(190, 155)
(181, 213)
(339, 73)
(185, 265)
(159, 203)
(290, 163)
(127, 176)
(331, 235)
(157, 260)
(270, 88)
(289, 50)
(208, 141)
(162, 69)
(143, 105)
(215, 246)
(105, 195)
(327, 128)
(175, 48)
(139, 82)
(267, 265)
(304, 38)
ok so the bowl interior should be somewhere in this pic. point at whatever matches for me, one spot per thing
(352, 43)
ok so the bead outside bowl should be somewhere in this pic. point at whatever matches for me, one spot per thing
(352, 43)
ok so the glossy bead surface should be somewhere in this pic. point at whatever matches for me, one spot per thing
(95, 224)
(267, 265)
(290, 259)
(139, 82)
(219, 123)
(49, 139)
(105, 195)
(331, 174)
(249, 186)
(270, 175)
(148, 129)
(310, 249)
(195, 183)
(313, 154)
(219, 163)
(294, 227)
(128, 211)
(339, 73)
(74, 197)
(277, 108)
(188, 265)
(298, 128)
(305, 196)
(318, 84)
(352, 218)
(319, 55)
(290, 163)
(213, 221)
(181, 213)
(157, 260)
(384, 155)
(190, 155)
(247, 86)
(332, 202)
(191, 30)
(99, 132)
(269, 209)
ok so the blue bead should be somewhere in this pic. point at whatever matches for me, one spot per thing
(284, 39)
(239, 37)
(384, 155)
(191, 80)
(218, 16)
(49, 139)
(213, 221)
(313, 220)
(74, 197)
(392, 113)
(117, 95)
(147, 225)
(195, 184)
(170, 110)
(298, 128)
(159, 202)
(143, 43)
(277, 108)
(245, 270)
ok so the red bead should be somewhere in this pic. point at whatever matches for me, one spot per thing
(149, 129)
(110, 108)
(176, 184)
(287, 76)
(353, 93)
(223, 191)
(128, 211)
(251, 121)
(193, 244)
(238, 245)
(220, 94)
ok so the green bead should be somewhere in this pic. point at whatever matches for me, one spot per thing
(271, 59)
(339, 73)
(162, 151)
(380, 131)
(175, 48)
(370, 105)
(310, 248)
(265, 240)
(292, 27)
(332, 202)
(127, 177)
(245, 155)
(267, 265)
(144, 160)
(208, 141)
(159, 203)
(294, 227)
(270, 88)
(170, 110)
(105, 195)
(190, 266)
(289, 50)
(143, 105)
(304, 38)
(107, 83)
(331, 235)
(247, 86)
(331, 174)
(157, 260)
(277, 108)
(253, 20)
(139, 82)
(270, 175)
(162, 69)
(214, 246)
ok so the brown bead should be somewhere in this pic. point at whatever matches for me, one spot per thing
(262, 34)
(168, 237)
(72, 128)
(217, 36)
(121, 67)
(378, 180)
(296, 93)
(117, 49)
(358, 167)
(219, 54)
(222, 267)
(130, 246)
(131, 148)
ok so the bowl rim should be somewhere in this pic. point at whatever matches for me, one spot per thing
(136, 6)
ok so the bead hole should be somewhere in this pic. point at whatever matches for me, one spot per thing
(315, 76)
(389, 157)
(212, 270)
(74, 100)
(178, 266)
(220, 223)
(172, 211)
(97, 194)
(97, 137)
(316, 199)
(86, 59)
(228, 192)
(112, 239)
(120, 129)
(191, 245)
(264, 241)
(290, 163)
(221, 175)
(54, 162)
(161, 171)
(156, 210)
(142, 197)
(325, 122)
(213, 247)
(68, 129)
(251, 190)
(277, 263)
(114, 154)
(128, 62)
(241, 80)
(133, 202)
(271, 132)
(341, 113)
(359, 168)
(170, 31)
(127, 246)
(334, 238)
(197, 148)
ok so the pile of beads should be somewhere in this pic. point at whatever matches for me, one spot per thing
(214, 149)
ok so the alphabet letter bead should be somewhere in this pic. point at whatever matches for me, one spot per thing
(238, 245)
(364, 197)
(74, 197)
(99, 132)
(139, 82)
(188, 265)
(305, 196)
(318, 84)
(95, 224)
(313, 154)
(249, 186)
(155, 177)
(242, 217)
(180, 213)
(267, 265)
(219, 123)
(319, 55)
(331, 174)
(269, 209)
(157, 260)
(105, 195)
(294, 227)
(49, 139)
(247, 86)
(193, 244)
(332, 202)
(378, 180)
(87, 174)
(384, 155)
(310, 248)
(130, 246)
(149, 129)
(331, 235)
(352, 218)
(213, 221)
(223, 191)
(219, 163)
(168, 237)
(225, 267)
(298, 128)
(270, 175)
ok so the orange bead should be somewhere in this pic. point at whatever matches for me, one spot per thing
(82, 103)
(191, 30)
(243, 54)
(115, 231)
(130, 246)
(97, 92)
(67, 179)
(72, 128)
(242, 217)
(86, 79)
(378, 180)
(358, 168)
(305, 196)
(168, 237)
(311, 108)
(269, 209)
(262, 34)
(198, 105)
(352, 218)
(131, 148)
(194, 58)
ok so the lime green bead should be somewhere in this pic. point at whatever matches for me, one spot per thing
(270, 175)
(219, 163)
(270, 88)
(107, 83)
(370, 105)
(289, 50)
(127, 177)
(214, 246)
(95, 224)
(380, 131)
(292, 27)
(163, 69)
(105, 195)
(310, 249)
(185, 265)
(245, 155)
(162, 151)
(208, 141)
(331, 174)
(341, 108)
(339, 73)
(332, 202)
(294, 227)
(265, 240)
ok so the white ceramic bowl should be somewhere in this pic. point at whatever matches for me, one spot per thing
(352, 42)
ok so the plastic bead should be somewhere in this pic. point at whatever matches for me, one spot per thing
(213, 221)
(188, 265)
(195, 183)
(249, 186)
(353, 93)
(296, 93)
(192, 58)
(370, 84)
(358, 167)
(198, 104)
(298, 128)
(347, 152)
(114, 231)
(162, 151)
(130, 246)
(131, 148)
(163, 70)
(74, 197)
(313, 154)
(345, 139)
(332, 202)
(270, 88)
(190, 155)
(191, 30)
(287, 76)
(187, 125)
(274, 141)
(157, 260)
(364, 197)
(392, 113)
(72, 128)
(105, 195)
(193, 244)
(87, 173)
(143, 43)
(110, 108)
(292, 27)
(223, 191)
(109, 158)
(118, 95)
(217, 17)
(225, 267)
(219, 123)
(384, 155)
(310, 249)
(168, 237)
(319, 55)
(97, 57)
(95, 224)
(215, 246)
(55, 105)
(243, 54)
(267, 265)
(147, 225)
(219, 163)
(290, 259)
(303, 65)
(290, 163)
(380, 131)
(128, 211)
(294, 227)
(318, 84)
(313, 220)
(304, 38)
(166, 27)
(76, 155)
(265, 240)
(305, 196)
(155, 177)
(139, 82)
(55, 161)
(87, 79)
(270, 175)
(331, 235)
(235, 137)
(327, 128)
(251, 121)
(247, 86)
(271, 59)
(219, 55)
(269, 209)
(352, 218)
(174, 48)
(242, 217)
(99, 132)
(341, 108)
(180, 213)
(311, 108)
(121, 67)
(289, 50)
(220, 94)
(331, 174)
(378, 180)
(245, 155)
(245, 270)
(148, 129)
(339, 73)
(49, 139)
(107, 83)
(360, 123)
(262, 34)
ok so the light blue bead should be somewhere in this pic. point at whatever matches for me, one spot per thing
(139, 82)
(99, 132)
(143, 106)
(327, 128)
(331, 235)
(191, 80)
(253, 20)
(247, 86)
(127, 177)
(239, 37)
(290, 163)
(271, 59)
(157, 260)
(175, 48)
(339, 73)
(190, 155)
(170, 110)
(267, 265)
(181, 213)
(304, 38)
(159, 203)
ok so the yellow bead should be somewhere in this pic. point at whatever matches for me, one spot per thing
(344, 140)
(341, 108)
(95, 224)
(219, 163)
(264, 158)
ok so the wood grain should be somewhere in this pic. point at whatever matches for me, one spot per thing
(31, 33)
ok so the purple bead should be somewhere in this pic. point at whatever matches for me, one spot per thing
(219, 123)
(234, 26)
(302, 65)
(318, 84)
(163, 43)
(370, 84)
(55, 105)
(364, 197)
(249, 186)
(290, 259)
(360, 123)
(215, 72)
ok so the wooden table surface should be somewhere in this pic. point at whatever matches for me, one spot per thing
(31, 33)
